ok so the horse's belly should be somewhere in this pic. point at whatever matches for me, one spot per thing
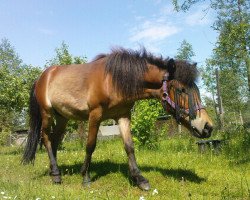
(70, 107)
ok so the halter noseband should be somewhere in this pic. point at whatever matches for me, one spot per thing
(166, 100)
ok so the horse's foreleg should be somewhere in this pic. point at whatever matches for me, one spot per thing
(94, 123)
(124, 124)
(46, 136)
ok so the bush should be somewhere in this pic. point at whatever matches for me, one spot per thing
(144, 117)
(4, 136)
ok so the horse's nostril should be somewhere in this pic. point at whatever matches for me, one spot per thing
(208, 127)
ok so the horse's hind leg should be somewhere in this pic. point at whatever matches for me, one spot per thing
(56, 138)
(49, 140)
(58, 133)
(124, 124)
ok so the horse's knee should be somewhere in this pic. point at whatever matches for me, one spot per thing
(90, 148)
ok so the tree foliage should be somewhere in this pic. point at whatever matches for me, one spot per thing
(185, 51)
(184, 5)
(8, 57)
(232, 49)
(231, 54)
(16, 79)
(63, 57)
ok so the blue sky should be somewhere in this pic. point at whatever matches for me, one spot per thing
(35, 28)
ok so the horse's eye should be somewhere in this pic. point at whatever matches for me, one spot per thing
(183, 90)
(178, 90)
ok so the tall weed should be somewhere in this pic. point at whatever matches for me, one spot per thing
(237, 144)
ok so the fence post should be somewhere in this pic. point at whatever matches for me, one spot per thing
(241, 119)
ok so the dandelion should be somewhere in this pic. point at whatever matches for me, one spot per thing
(142, 198)
(2, 193)
(38, 198)
(155, 192)
(91, 192)
(53, 197)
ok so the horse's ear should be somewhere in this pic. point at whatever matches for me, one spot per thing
(171, 67)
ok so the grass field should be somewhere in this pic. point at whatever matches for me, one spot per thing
(175, 171)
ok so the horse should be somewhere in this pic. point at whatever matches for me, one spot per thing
(107, 88)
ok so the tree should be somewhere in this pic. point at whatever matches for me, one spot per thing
(231, 54)
(185, 52)
(63, 57)
(233, 25)
(16, 79)
(8, 56)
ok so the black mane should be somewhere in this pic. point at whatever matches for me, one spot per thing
(185, 72)
(127, 68)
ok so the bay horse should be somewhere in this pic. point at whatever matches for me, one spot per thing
(107, 88)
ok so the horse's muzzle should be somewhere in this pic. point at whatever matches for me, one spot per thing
(205, 133)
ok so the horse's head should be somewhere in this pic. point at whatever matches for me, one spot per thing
(181, 97)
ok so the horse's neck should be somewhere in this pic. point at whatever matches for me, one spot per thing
(153, 82)
(150, 93)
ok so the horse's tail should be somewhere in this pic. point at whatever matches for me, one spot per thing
(35, 124)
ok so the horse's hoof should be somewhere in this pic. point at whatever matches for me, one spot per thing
(86, 181)
(56, 179)
(141, 182)
(144, 186)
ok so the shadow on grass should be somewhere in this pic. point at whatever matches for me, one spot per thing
(103, 168)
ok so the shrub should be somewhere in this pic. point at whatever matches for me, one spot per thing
(4, 136)
(144, 116)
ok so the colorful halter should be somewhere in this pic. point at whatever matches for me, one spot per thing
(179, 111)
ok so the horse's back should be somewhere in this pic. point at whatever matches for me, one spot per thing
(67, 89)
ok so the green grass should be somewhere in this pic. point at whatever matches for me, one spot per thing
(176, 170)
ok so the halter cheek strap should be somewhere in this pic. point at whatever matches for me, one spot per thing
(166, 100)
(165, 97)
